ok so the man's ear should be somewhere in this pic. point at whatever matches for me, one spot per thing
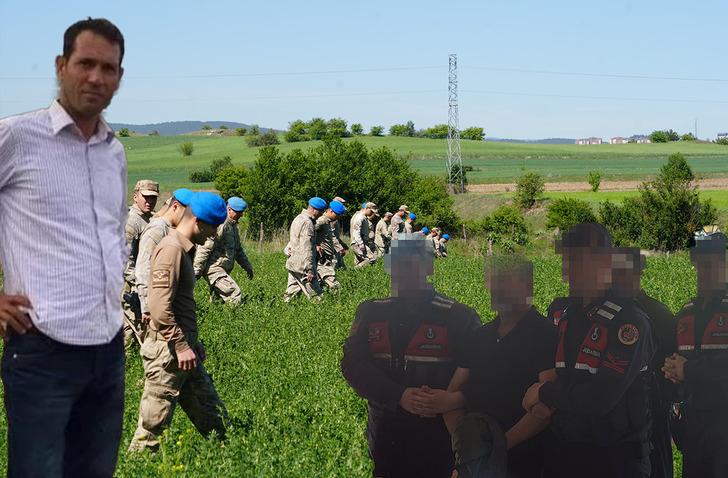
(60, 66)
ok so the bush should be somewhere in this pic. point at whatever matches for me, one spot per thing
(337, 128)
(438, 131)
(154, 133)
(232, 181)
(457, 169)
(376, 131)
(266, 139)
(624, 222)
(688, 137)
(124, 133)
(595, 179)
(357, 129)
(296, 132)
(223, 127)
(505, 228)
(219, 164)
(186, 149)
(723, 141)
(664, 136)
(206, 127)
(241, 131)
(254, 130)
(565, 213)
(473, 133)
(529, 189)
(202, 176)
(407, 129)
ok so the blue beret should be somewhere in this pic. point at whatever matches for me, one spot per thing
(337, 207)
(317, 203)
(183, 196)
(413, 216)
(446, 237)
(209, 208)
(237, 204)
(364, 204)
(425, 230)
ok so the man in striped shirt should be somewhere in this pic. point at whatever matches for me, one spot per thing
(63, 260)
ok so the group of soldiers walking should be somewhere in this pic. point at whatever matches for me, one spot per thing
(315, 249)
(600, 387)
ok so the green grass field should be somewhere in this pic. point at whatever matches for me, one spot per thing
(276, 367)
(159, 158)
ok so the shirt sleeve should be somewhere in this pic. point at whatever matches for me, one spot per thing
(166, 264)
(544, 347)
(622, 363)
(359, 369)
(462, 334)
(7, 155)
(202, 254)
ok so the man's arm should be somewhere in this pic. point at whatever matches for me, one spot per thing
(306, 240)
(166, 264)
(355, 232)
(530, 425)
(457, 383)
(7, 155)
(202, 255)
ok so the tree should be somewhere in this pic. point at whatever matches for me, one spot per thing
(529, 189)
(505, 228)
(297, 131)
(439, 131)
(124, 133)
(241, 131)
(565, 213)
(337, 128)
(317, 129)
(723, 141)
(232, 181)
(672, 135)
(223, 127)
(255, 130)
(206, 127)
(594, 179)
(688, 137)
(186, 149)
(407, 129)
(473, 133)
(218, 165)
(357, 129)
(266, 139)
(376, 131)
(659, 137)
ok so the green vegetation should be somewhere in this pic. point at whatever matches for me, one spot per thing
(594, 179)
(276, 367)
(529, 190)
(186, 148)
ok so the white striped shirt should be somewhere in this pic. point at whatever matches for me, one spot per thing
(62, 216)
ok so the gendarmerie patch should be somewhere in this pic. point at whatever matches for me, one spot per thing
(628, 334)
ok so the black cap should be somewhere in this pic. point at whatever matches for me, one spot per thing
(708, 243)
(587, 234)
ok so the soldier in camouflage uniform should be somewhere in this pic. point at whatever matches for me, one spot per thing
(155, 231)
(372, 252)
(301, 250)
(145, 198)
(382, 235)
(396, 226)
(359, 232)
(409, 224)
(325, 247)
(339, 245)
(216, 258)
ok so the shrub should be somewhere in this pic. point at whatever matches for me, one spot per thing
(219, 164)
(529, 189)
(376, 131)
(202, 176)
(266, 139)
(124, 133)
(186, 149)
(407, 129)
(505, 228)
(473, 133)
(231, 181)
(438, 131)
(595, 179)
(223, 127)
(154, 133)
(624, 222)
(357, 129)
(241, 131)
(565, 213)
(723, 141)
(206, 127)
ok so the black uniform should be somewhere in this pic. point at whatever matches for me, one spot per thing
(601, 424)
(662, 391)
(501, 370)
(702, 338)
(397, 343)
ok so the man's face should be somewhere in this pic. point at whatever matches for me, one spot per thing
(331, 214)
(509, 291)
(203, 231)
(178, 212)
(145, 203)
(316, 212)
(711, 270)
(234, 215)
(89, 78)
(589, 272)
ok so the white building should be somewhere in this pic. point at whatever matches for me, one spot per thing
(591, 140)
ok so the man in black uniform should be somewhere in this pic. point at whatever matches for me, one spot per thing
(701, 365)
(627, 265)
(399, 349)
(600, 422)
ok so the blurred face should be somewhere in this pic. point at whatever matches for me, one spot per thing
(711, 273)
(89, 78)
(331, 214)
(202, 232)
(316, 213)
(234, 215)
(589, 272)
(510, 291)
(145, 203)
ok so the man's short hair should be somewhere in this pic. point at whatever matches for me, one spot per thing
(99, 26)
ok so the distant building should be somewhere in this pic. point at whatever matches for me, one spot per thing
(591, 140)
(618, 140)
(639, 138)
(722, 135)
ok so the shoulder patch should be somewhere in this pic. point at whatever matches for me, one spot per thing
(443, 302)
(611, 305)
(628, 334)
(606, 314)
(161, 278)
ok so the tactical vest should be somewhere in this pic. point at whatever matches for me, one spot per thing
(427, 359)
(714, 337)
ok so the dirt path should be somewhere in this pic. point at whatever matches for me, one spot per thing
(712, 183)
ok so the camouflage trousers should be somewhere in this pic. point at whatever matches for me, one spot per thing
(327, 275)
(362, 255)
(297, 283)
(164, 386)
(222, 285)
(133, 329)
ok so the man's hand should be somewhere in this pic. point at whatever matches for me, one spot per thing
(412, 400)
(343, 252)
(309, 276)
(201, 352)
(14, 313)
(530, 399)
(187, 360)
(541, 411)
(250, 273)
(436, 401)
(674, 368)
(146, 317)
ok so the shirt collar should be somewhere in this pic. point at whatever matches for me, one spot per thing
(60, 119)
(187, 245)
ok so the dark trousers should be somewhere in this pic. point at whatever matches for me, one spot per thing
(64, 406)
(570, 460)
(661, 456)
(705, 451)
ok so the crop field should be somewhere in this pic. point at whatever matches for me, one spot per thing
(160, 159)
(276, 367)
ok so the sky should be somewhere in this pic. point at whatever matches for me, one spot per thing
(380, 63)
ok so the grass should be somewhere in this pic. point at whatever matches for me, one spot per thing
(158, 157)
(276, 367)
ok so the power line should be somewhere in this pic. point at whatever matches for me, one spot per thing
(596, 75)
(586, 97)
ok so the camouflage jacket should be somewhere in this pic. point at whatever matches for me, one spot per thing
(338, 243)
(217, 257)
(150, 238)
(359, 229)
(135, 224)
(382, 236)
(396, 225)
(302, 245)
(325, 238)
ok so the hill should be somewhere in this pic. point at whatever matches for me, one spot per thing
(173, 128)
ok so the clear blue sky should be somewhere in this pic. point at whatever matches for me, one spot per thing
(168, 43)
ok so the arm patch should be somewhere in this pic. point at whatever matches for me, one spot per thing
(161, 278)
